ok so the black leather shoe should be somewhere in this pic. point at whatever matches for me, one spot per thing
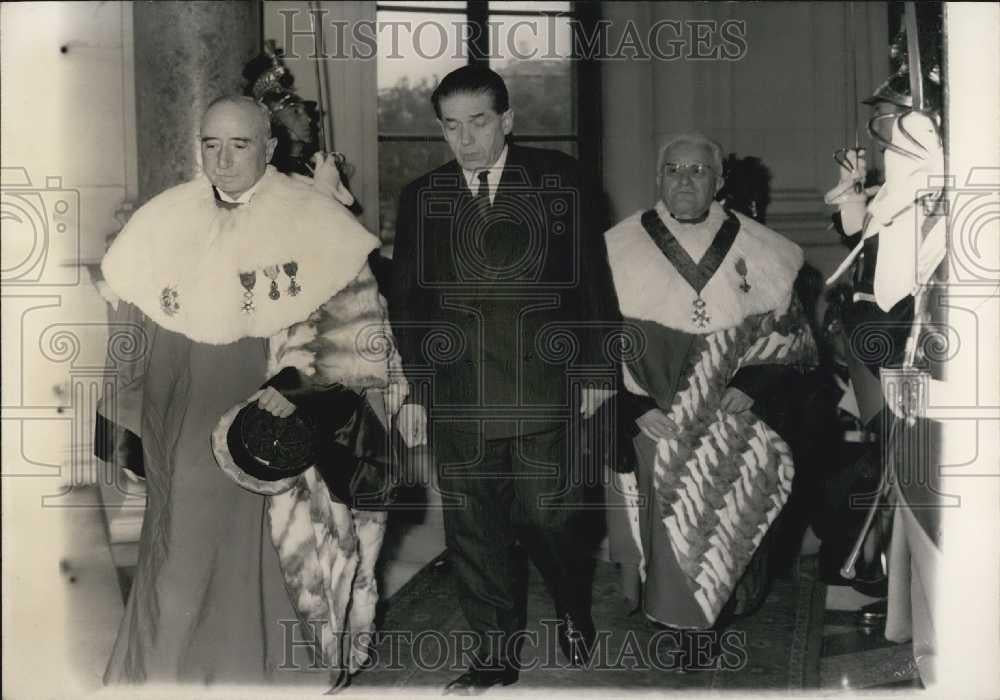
(872, 616)
(479, 680)
(576, 639)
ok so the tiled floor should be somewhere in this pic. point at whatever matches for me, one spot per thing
(856, 657)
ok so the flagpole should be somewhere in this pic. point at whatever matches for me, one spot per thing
(322, 77)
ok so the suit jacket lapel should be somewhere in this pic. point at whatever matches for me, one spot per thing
(512, 178)
(437, 231)
(502, 244)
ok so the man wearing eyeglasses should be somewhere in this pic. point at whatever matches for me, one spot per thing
(711, 293)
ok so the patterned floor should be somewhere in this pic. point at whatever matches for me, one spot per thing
(831, 652)
(786, 646)
(807, 636)
(777, 648)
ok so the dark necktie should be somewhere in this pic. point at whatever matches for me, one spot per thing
(483, 193)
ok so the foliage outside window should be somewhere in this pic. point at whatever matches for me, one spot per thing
(528, 43)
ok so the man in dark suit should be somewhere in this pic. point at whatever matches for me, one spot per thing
(501, 303)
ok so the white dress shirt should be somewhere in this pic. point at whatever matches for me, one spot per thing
(493, 175)
(243, 198)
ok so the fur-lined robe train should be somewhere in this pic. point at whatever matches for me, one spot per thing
(713, 307)
(228, 578)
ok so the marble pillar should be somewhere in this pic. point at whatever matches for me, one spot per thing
(186, 54)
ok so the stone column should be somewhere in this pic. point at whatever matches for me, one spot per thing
(186, 54)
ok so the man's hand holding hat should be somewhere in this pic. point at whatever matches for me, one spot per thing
(272, 401)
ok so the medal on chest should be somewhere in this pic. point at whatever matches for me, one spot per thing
(699, 316)
(248, 280)
(696, 274)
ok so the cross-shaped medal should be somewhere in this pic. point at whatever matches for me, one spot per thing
(698, 314)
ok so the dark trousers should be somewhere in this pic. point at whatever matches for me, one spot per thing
(525, 489)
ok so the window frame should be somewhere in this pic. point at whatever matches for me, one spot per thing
(585, 77)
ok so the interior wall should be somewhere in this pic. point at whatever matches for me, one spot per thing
(349, 83)
(64, 106)
(789, 100)
(68, 153)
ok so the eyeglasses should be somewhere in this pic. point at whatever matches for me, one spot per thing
(694, 170)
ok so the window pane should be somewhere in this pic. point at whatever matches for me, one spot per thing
(415, 51)
(533, 56)
(399, 163)
(568, 147)
(531, 6)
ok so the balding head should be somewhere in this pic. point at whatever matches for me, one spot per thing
(259, 111)
(236, 143)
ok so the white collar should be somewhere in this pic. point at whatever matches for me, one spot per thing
(184, 261)
(493, 174)
(651, 289)
(695, 238)
(243, 198)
